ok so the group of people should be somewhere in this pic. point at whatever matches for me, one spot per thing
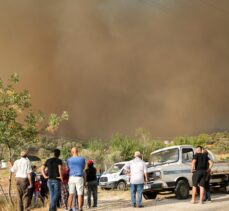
(65, 181)
(201, 168)
(39, 187)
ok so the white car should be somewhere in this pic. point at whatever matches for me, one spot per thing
(114, 177)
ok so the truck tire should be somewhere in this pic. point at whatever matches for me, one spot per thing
(149, 195)
(121, 185)
(182, 189)
(226, 187)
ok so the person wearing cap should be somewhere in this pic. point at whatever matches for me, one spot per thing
(22, 168)
(91, 182)
(137, 170)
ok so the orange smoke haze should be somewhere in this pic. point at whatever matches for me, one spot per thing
(119, 65)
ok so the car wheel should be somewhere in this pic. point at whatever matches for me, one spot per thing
(121, 185)
(150, 195)
(182, 189)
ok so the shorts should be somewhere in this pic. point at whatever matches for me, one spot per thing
(199, 178)
(76, 184)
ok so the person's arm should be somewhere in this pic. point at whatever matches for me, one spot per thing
(67, 168)
(84, 173)
(85, 178)
(10, 163)
(126, 169)
(60, 172)
(211, 163)
(145, 173)
(13, 166)
(43, 172)
(193, 165)
(30, 180)
(29, 173)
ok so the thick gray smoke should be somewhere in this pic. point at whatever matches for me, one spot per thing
(117, 65)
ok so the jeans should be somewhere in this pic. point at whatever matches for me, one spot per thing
(54, 190)
(136, 188)
(92, 190)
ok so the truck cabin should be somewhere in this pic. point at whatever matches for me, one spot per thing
(175, 154)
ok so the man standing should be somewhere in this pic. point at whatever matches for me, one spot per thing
(138, 175)
(207, 193)
(201, 164)
(23, 170)
(54, 166)
(76, 165)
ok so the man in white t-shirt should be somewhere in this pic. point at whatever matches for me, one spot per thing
(138, 175)
(22, 169)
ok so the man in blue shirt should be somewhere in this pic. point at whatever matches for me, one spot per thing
(76, 165)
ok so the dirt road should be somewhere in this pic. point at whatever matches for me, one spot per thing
(220, 202)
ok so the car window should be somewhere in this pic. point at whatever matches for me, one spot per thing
(187, 155)
(122, 172)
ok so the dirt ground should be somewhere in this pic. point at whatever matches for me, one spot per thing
(220, 202)
(120, 201)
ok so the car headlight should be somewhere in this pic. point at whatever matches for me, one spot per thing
(157, 173)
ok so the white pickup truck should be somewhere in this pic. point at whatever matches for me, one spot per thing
(170, 170)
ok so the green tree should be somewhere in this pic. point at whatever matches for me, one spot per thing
(125, 145)
(19, 124)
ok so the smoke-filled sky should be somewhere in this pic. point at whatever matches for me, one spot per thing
(117, 65)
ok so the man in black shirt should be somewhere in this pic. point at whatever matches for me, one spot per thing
(201, 164)
(54, 177)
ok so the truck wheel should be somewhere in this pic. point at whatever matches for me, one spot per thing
(121, 185)
(182, 189)
(226, 188)
(149, 195)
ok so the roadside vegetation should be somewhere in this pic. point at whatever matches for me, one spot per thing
(121, 147)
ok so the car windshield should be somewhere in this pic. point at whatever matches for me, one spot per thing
(115, 168)
(165, 156)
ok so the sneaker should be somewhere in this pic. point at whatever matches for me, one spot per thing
(140, 206)
(209, 201)
(134, 205)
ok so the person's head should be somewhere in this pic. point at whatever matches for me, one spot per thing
(90, 163)
(137, 154)
(24, 153)
(34, 167)
(199, 149)
(74, 151)
(56, 153)
(205, 151)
